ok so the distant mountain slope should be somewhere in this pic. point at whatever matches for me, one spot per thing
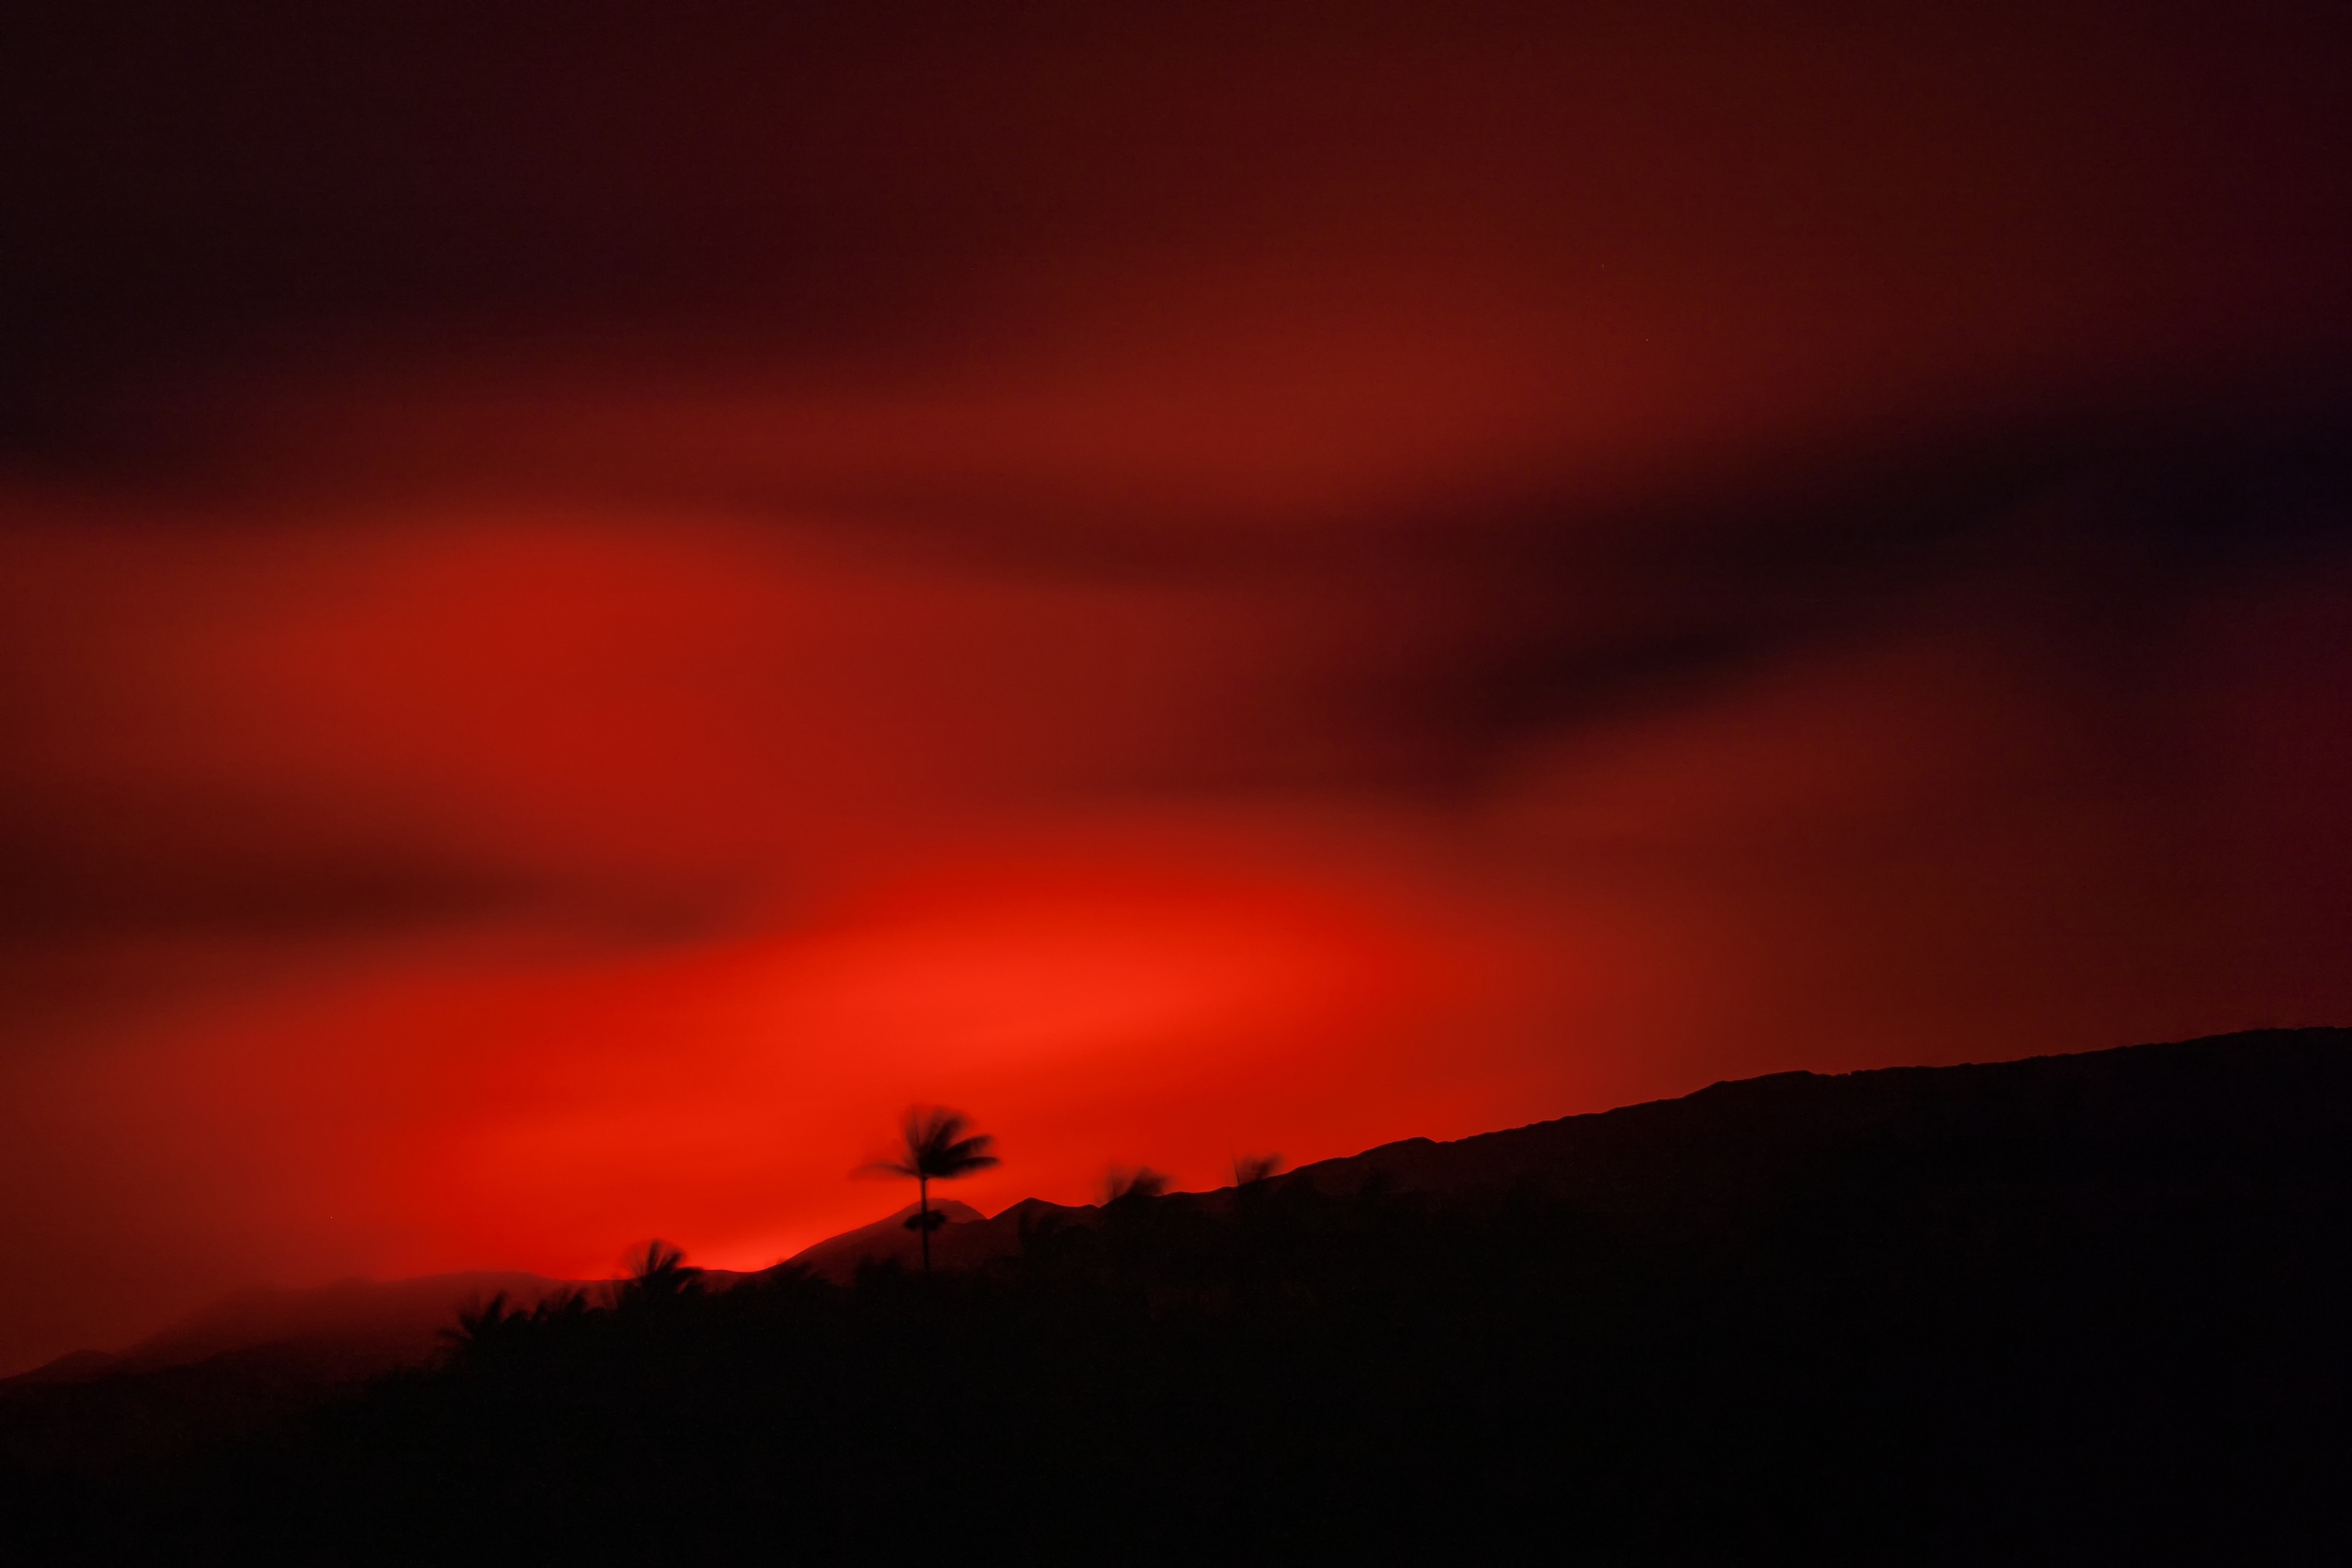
(889, 1240)
(248, 1362)
(353, 1328)
(366, 1319)
(1722, 1149)
(2078, 1308)
(1734, 1145)
(1712, 1147)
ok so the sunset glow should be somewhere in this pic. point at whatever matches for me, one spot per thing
(562, 662)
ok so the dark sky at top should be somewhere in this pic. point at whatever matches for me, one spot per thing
(594, 599)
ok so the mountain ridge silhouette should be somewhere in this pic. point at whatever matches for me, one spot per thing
(2078, 1307)
(1706, 1156)
(1703, 1153)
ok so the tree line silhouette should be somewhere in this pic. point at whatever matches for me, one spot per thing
(1959, 1351)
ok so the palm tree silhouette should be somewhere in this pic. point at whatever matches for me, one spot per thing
(483, 1331)
(1141, 1183)
(1250, 1169)
(934, 1148)
(658, 1276)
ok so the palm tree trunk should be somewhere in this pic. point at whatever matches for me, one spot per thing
(923, 1197)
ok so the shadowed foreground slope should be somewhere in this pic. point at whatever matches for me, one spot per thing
(2088, 1307)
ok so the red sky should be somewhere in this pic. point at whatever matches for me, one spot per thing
(588, 607)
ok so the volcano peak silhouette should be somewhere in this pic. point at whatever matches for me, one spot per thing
(888, 1241)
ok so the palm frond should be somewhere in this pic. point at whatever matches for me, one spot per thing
(481, 1328)
(1250, 1169)
(933, 1148)
(658, 1272)
(656, 1259)
(1140, 1182)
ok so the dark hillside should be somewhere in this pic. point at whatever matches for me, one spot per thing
(888, 1240)
(1734, 1146)
(2087, 1308)
(2248, 1095)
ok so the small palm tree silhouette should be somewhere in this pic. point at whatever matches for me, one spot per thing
(934, 1147)
(1250, 1169)
(1141, 1183)
(658, 1276)
(486, 1330)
